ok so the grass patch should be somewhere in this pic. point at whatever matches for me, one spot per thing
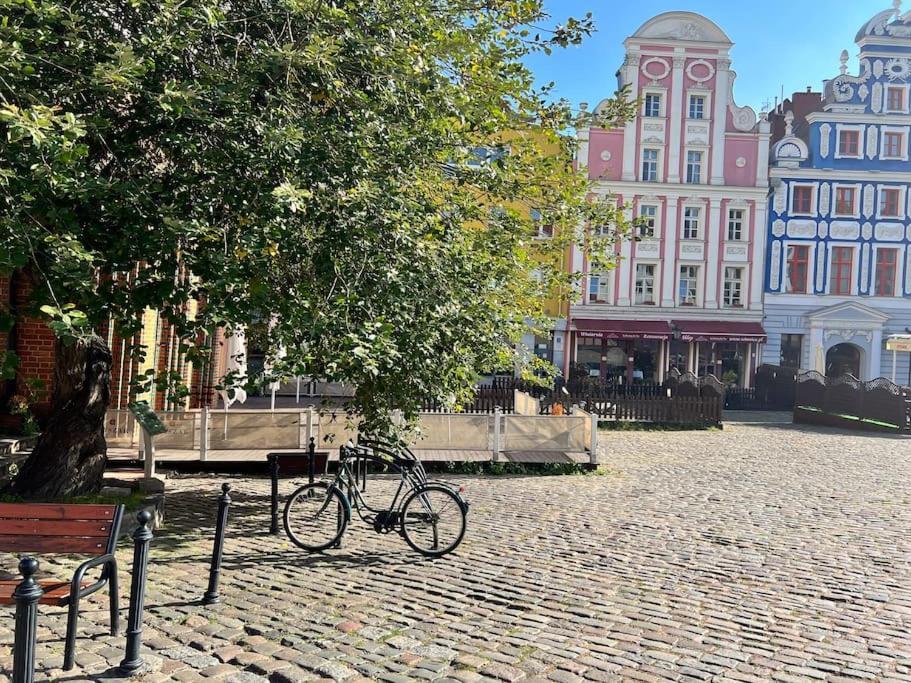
(544, 469)
(882, 424)
(611, 426)
(853, 418)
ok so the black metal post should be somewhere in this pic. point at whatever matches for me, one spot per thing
(142, 537)
(273, 473)
(26, 596)
(311, 466)
(224, 500)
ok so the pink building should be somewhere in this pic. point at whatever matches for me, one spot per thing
(688, 293)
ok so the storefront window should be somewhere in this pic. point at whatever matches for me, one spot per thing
(645, 361)
(704, 359)
(731, 355)
(615, 362)
(679, 352)
(589, 356)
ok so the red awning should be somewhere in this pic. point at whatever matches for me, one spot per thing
(623, 329)
(720, 331)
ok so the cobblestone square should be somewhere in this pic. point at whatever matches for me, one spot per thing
(760, 552)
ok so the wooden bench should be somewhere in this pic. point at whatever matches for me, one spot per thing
(49, 528)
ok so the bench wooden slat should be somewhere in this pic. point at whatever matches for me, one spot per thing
(53, 544)
(55, 592)
(55, 511)
(50, 527)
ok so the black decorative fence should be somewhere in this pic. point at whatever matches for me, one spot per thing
(877, 405)
(773, 389)
(683, 399)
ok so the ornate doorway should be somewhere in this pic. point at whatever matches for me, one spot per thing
(843, 359)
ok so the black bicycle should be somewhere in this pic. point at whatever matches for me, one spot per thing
(430, 515)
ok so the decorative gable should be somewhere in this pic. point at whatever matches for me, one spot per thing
(848, 312)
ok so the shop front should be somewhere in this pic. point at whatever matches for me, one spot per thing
(622, 351)
(643, 351)
(727, 350)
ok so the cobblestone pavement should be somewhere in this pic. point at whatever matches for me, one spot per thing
(756, 553)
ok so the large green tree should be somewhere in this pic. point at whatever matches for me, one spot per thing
(310, 163)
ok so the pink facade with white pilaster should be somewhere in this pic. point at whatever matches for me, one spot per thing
(698, 164)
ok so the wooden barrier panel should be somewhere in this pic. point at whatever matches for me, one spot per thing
(847, 402)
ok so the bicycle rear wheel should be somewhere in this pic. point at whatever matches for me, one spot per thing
(433, 520)
(315, 516)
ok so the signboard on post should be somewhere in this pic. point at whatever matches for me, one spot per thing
(147, 418)
(151, 425)
(896, 343)
(899, 343)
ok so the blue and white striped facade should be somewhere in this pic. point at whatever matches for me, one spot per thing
(835, 187)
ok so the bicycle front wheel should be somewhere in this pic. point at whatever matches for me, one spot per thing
(316, 516)
(433, 520)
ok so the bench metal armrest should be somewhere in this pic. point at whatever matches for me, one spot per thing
(108, 561)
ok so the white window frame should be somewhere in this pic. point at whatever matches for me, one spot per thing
(605, 284)
(858, 188)
(901, 130)
(744, 278)
(743, 224)
(655, 283)
(899, 269)
(706, 95)
(538, 221)
(698, 284)
(902, 198)
(661, 94)
(898, 86)
(702, 165)
(861, 131)
(658, 164)
(700, 225)
(814, 198)
(855, 267)
(811, 266)
(656, 231)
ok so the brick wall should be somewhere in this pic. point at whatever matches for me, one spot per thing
(35, 345)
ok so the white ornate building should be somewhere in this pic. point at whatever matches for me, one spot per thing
(688, 294)
(838, 280)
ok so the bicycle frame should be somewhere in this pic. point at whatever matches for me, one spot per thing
(352, 480)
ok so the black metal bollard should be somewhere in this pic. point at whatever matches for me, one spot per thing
(224, 500)
(273, 475)
(142, 537)
(311, 465)
(26, 596)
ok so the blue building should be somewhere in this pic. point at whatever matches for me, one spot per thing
(838, 264)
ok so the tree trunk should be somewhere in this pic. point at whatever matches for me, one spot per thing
(70, 454)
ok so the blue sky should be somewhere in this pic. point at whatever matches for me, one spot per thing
(790, 43)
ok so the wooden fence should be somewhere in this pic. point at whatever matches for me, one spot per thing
(877, 405)
(683, 399)
(695, 410)
(486, 400)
